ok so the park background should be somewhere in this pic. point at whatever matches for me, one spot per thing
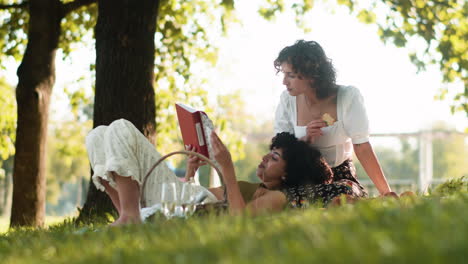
(239, 88)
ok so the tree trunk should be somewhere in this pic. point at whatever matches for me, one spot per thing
(124, 76)
(36, 76)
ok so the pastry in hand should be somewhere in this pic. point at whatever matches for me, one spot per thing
(328, 119)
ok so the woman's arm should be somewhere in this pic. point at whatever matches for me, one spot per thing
(368, 159)
(222, 155)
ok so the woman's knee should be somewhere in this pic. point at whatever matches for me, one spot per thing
(120, 125)
(95, 137)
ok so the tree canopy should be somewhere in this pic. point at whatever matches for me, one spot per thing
(440, 26)
(185, 39)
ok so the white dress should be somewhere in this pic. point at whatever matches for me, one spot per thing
(122, 148)
(336, 143)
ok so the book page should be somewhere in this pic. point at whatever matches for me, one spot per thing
(188, 108)
(208, 127)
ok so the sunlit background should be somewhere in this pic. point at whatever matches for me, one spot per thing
(399, 100)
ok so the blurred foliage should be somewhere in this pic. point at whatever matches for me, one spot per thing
(185, 35)
(13, 32)
(232, 120)
(75, 25)
(6, 182)
(246, 168)
(442, 27)
(271, 8)
(452, 186)
(14, 29)
(81, 104)
(67, 161)
(450, 153)
(7, 120)
(66, 158)
(400, 163)
(258, 139)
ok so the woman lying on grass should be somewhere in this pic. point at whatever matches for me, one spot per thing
(121, 156)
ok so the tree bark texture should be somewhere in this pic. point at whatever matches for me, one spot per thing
(36, 76)
(125, 51)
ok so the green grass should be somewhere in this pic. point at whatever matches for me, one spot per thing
(429, 229)
(49, 220)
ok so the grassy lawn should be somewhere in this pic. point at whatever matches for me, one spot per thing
(429, 229)
(50, 220)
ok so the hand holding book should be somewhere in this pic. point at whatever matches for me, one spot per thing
(193, 163)
(220, 152)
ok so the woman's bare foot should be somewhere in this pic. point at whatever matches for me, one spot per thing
(127, 220)
(407, 193)
(390, 194)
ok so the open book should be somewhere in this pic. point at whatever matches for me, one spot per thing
(196, 128)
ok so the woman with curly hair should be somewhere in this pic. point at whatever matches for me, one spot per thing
(330, 117)
(120, 157)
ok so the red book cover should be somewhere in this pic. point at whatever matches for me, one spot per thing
(191, 127)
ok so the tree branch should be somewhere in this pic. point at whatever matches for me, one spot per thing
(18, 5)
(71, 6)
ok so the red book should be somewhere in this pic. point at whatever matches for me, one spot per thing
(195, 127)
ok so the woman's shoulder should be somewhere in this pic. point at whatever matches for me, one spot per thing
(348, 94)
(271, 200)
(286, 97)
(286, 102)
(348, 90)
(277, 197)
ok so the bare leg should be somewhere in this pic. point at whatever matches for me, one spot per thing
(114, 196)
(129, 196)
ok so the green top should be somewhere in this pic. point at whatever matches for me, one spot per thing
(247, 190)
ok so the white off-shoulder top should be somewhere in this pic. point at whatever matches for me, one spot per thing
(336, 143)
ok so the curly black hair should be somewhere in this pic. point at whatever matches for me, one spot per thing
(308, 59)
(304, 163)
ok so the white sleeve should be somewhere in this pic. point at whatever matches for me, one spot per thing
(283, 119)
(355, 121)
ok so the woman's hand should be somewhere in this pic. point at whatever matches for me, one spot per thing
(193, 163)
(223, 157)
(313, 130)
(221, 153)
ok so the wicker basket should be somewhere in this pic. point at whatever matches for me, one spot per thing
(201, 208)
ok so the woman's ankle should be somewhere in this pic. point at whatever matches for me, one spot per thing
(127, 220)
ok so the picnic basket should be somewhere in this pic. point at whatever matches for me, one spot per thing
(202, 208)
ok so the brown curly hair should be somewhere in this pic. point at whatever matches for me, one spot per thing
(308, 59)
(304, 163)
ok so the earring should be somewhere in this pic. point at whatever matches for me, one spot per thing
(283, 178)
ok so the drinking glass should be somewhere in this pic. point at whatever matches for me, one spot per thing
(185, 196)
(187, 199)
(168, 198)
(182, 198)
